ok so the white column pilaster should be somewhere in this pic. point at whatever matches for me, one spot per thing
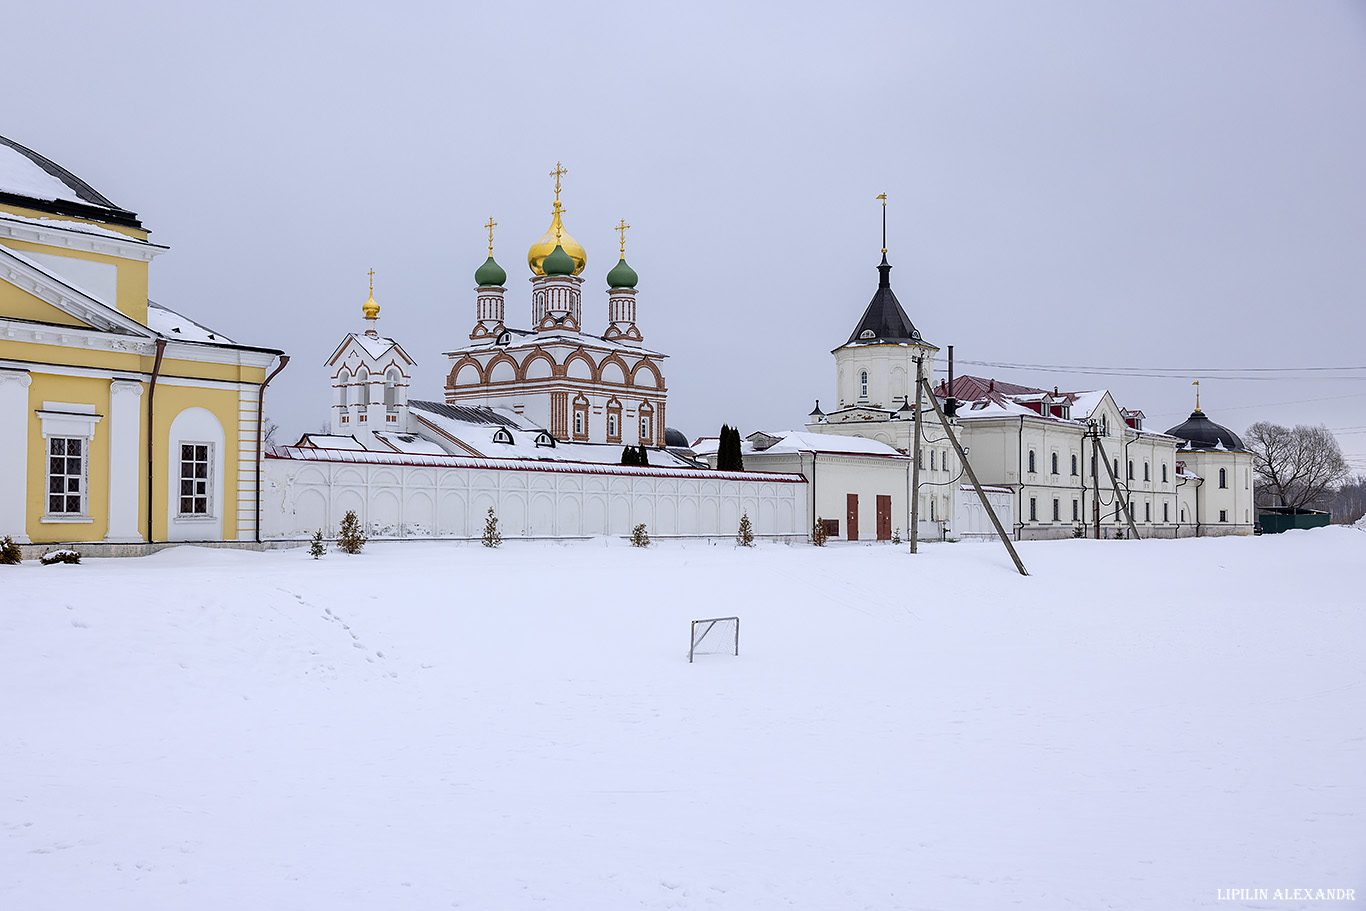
(14, 420)
(125, 421)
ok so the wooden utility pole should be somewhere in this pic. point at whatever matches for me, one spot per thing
(1122, 500)
(915, 464)
(1095, 475)
(972, 475)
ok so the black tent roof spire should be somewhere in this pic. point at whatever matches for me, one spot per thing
(884, 321)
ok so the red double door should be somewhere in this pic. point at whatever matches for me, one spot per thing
(884, 517)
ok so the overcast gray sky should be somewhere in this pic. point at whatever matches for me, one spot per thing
(1121, 185)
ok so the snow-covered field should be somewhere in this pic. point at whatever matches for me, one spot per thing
(1136, 725)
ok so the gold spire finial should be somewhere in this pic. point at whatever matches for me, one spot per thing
(621, 229)
(559, 172)
(1196, 384)
(372, 282)
(491, 225)
(883, 197)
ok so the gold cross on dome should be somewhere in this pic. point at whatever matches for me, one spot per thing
(559, 172)
(372, 282)
(621, 229)
(491, 225)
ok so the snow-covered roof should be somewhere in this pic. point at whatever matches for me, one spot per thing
(1084, 404)
(498, 433)
(794, 441)
(565, 466)
(164, 321)
(67, 224)
(22, 176)
(26, 174)
(330, 441)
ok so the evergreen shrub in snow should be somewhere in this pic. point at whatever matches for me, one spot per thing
(491, 538)
(59, 556)
(1078, 531)
(9, 551)
(639, 538)
(352, 538)
(317, 548)
(896, 536)
(819, 534)
(744, 536)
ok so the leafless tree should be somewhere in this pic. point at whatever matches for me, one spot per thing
(1349, 503)
(1298, 467)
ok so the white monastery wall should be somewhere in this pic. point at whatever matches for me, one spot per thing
(450, 497)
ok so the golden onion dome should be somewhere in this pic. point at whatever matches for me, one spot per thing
(370, 308)
(556, 236)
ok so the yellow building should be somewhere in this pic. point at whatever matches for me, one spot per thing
(121, 421)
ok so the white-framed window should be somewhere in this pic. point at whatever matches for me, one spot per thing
(1164, 472)
(1131, 470)
(344, 388)
(1076, 511)
(1146, 471)
(363, 393)
(579, 420)
(1033, 509)
(931, 460)
(1054, 463)
(1057, 512)
(391, 390)
(196, 480)
(612, 423)
(1031, 461)
(1223, 480)
(863, 384)
(1165, 514)
(1074, 464)
(1223, 515)
(66, 473)
(67, 431)
(1147, 512)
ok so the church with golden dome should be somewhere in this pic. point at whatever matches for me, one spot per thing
(581, 387)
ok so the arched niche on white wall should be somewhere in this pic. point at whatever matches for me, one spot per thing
(195, 427)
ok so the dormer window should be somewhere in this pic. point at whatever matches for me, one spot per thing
(502, 435)
(504, 338)
(867, 333)
(545, 439)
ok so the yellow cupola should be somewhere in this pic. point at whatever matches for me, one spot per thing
(370, 309)
(556, 236)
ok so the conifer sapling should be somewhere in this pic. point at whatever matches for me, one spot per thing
(492, 538)
(351, 538)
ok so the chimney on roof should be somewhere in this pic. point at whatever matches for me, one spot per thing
(991, 385)
(1055, 390)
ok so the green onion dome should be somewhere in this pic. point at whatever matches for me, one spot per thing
(558, 262)
(622, 276)
(489, 274)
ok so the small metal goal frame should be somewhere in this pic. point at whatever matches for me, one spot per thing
(706, 629)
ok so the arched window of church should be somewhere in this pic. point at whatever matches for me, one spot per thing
(612, 424)
(1031, 461)
(343, 388)
(391, 390)
(645, 429)
(1223, 478)
(363, 394)
(578, 421)
(1054, 463)
(863, 384)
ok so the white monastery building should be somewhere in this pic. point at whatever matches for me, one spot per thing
(534, 425)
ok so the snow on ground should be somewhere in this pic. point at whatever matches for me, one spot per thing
(1136, 725)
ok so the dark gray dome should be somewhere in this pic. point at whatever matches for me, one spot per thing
(675, 438)
(1202, 433)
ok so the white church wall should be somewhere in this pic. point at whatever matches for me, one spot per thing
(450, 498)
